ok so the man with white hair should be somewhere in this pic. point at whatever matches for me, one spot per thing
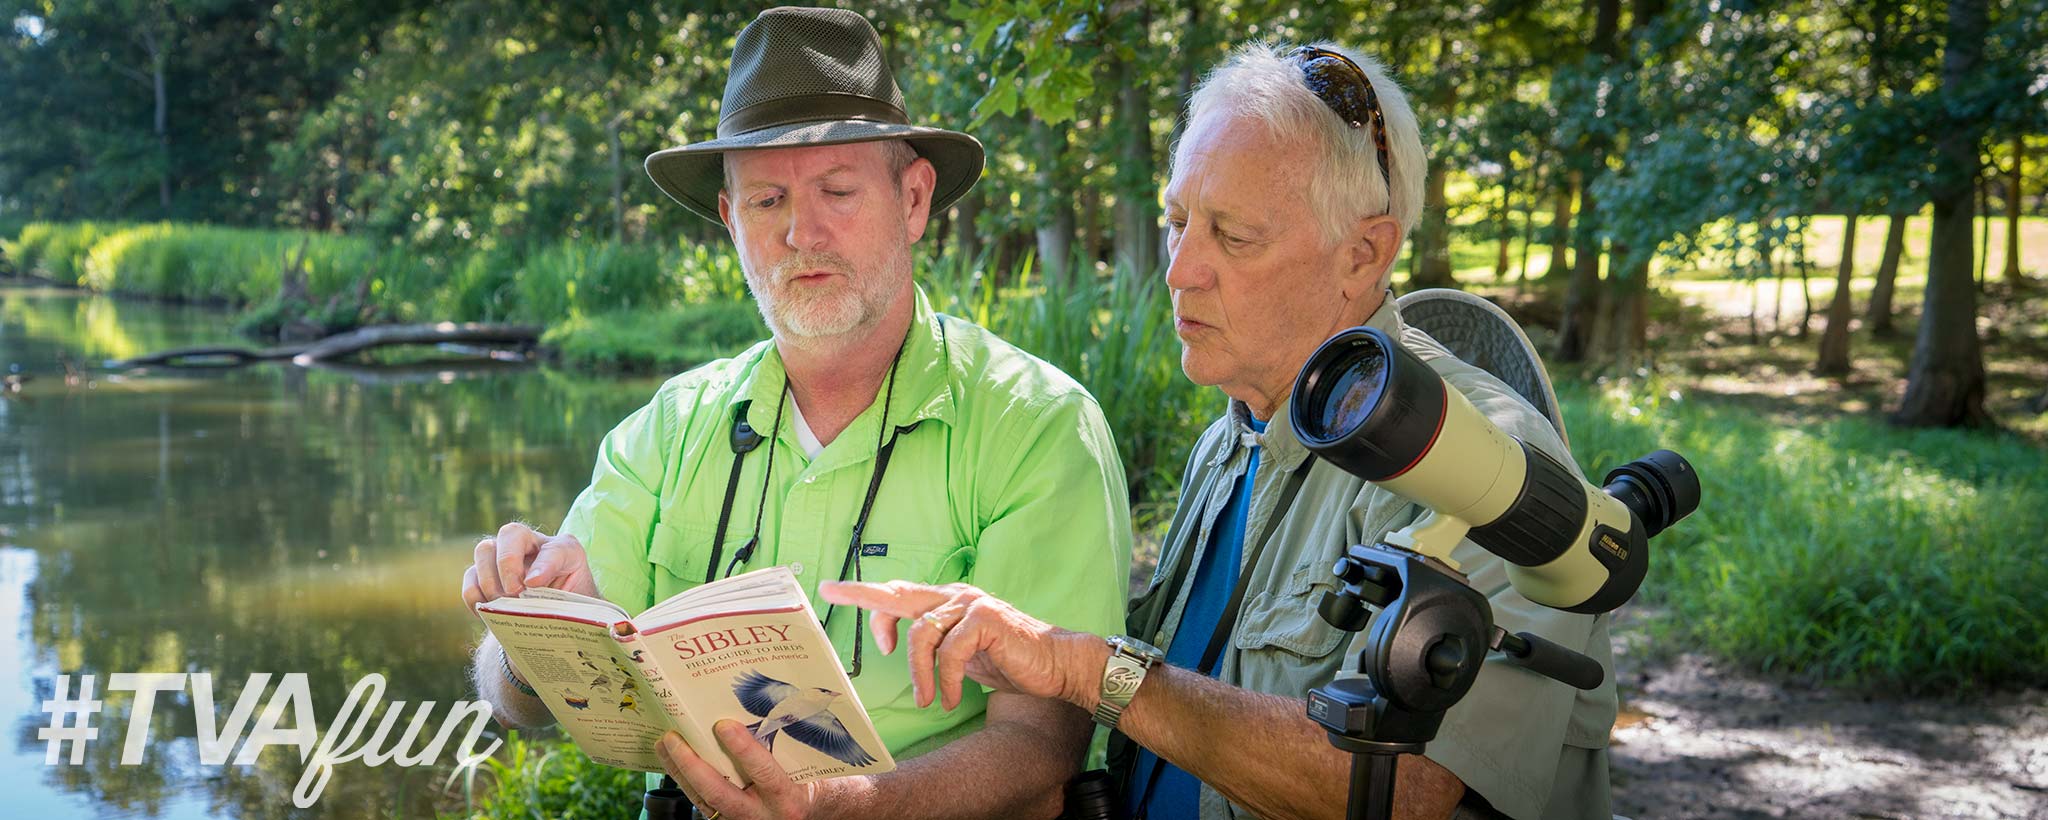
(1298, 179)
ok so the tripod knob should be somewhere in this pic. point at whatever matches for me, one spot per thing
(1344, 610)
(1445, 660)
(1355, 572)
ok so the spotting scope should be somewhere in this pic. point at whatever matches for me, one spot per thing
(1375, 409)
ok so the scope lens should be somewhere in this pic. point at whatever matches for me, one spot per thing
(1659, 488)
(1346, 391)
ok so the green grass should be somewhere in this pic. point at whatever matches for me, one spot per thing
(1844, 552)
(661, 341)
(547, 779)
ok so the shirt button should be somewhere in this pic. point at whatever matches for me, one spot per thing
(796, 567)
(810, 479)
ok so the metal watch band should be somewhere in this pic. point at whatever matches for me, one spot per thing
(512, 677)
(1129, 660)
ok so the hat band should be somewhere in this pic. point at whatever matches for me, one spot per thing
(809, 108)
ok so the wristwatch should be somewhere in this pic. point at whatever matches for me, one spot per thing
(1129, 660)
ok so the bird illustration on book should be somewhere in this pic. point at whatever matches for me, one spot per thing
(576, 703)
(802, 712)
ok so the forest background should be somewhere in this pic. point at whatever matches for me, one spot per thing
(1806, 243)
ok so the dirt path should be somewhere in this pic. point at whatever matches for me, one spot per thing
(1698, 741)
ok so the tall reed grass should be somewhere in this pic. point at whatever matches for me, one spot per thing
(1113, 332)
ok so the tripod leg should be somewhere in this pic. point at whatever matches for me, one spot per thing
(1372, 786)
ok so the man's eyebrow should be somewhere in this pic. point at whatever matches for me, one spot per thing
(1236, 222)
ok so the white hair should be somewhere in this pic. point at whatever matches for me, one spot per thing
(1260, 82)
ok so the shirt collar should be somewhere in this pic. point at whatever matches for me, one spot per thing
(1283, 446)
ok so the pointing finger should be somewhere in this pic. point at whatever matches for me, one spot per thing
(896, 598)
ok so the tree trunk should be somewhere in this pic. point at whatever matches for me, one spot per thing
(1945, 383)
(1056, 232)
(157, 63)
(1507, 229)
(1432, 238)
(1777, 295)
(1621, 330)
(1136, 217)
(1574, 332)
(1560, 228)
(1984, 235)
(1879, 318)
(1091, 227)
(1755, 332)
(1805, 289)
(611, 136)
(966, 238)
(1432, 253)
(1834, 342)
(1009, 253)
(2012, 210)
(1528, 238)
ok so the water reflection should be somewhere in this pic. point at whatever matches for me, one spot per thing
(268, 519)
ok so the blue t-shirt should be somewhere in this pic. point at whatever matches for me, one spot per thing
(1177, 794)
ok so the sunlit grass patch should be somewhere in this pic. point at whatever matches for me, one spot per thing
(1842, 551)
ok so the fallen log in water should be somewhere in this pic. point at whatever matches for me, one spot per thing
(344, 344)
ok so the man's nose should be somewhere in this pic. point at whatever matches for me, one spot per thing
(808, 230)
(1187, 268)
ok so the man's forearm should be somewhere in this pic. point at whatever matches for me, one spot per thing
(1011, 768)
(511, 706)
(1211, 729)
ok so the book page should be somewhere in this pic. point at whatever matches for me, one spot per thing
(588, 682)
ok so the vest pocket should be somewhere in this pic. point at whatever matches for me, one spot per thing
(1286, 618)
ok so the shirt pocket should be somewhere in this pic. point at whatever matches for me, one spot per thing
(1286, 618)
(681, 553)
(913, 561)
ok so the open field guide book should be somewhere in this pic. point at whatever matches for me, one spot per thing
(748, 648)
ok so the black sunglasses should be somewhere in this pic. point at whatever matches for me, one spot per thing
(1343, 86)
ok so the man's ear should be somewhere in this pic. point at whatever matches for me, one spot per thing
(1374, 243)
(917, 182)
(725, 213)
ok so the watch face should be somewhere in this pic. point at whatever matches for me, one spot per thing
(1120, 683)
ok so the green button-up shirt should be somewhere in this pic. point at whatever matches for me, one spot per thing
(1532, 747)
(1009, 481)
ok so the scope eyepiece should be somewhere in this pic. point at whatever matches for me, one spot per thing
(1659, 488)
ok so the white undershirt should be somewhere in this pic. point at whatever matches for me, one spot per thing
(804, 437)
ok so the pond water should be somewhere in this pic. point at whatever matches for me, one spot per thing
(266, 519)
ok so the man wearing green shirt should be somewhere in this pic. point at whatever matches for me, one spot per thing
(870, 438)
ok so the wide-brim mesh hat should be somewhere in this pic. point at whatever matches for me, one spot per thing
(805, 77)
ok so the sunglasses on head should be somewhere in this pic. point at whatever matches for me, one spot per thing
(1343, 86)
